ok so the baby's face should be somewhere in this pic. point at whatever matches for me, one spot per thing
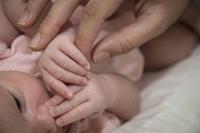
(28, 95)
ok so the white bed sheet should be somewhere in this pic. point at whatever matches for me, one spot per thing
(170, 100)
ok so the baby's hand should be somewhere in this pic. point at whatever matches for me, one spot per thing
(62, 63)
(93, 99)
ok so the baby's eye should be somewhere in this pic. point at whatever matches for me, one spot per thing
(18, 103)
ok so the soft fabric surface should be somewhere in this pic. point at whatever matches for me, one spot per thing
(170, 100)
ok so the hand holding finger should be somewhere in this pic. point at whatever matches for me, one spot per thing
(140, 31)
(94, 15)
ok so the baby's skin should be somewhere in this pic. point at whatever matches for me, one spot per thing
(21, 99)
(107, 89)
(103, 90)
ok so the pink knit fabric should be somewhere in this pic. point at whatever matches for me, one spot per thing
(18, 57)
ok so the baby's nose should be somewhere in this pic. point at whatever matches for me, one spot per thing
(45, 120)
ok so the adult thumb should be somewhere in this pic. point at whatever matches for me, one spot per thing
(151, 21)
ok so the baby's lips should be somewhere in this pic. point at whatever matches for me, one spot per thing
(3, 47)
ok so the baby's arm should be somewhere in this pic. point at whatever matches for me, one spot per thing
(103, 92)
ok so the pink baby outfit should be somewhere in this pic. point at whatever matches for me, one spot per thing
(18, 57)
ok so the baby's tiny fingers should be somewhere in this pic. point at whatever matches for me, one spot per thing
(63, 75)
(82, 111)
(69, 64)
(67, 105)
(76, 55)
(74, 88)
(55, 100)
(56, 85)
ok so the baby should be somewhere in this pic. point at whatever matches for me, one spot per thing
(109, 86)
(21, 100)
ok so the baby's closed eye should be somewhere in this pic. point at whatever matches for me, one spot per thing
(18, 103)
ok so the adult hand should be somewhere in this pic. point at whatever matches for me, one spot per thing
(95, 13)
(152, 18)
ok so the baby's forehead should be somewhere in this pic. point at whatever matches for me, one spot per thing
(15, 79)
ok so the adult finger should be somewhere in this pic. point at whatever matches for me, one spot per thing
(94, 15)
(56, 18)
(153, 19)
(32, 12)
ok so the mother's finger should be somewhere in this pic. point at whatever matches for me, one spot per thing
(153, 19)
(32, 12)
(94, 15)
(56, 18)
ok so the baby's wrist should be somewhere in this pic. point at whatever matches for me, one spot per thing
(108, 89)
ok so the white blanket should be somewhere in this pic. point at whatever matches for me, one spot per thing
(170, 100)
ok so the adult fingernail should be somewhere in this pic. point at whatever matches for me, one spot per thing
(22, 21)
(35, 41)
(99, 57)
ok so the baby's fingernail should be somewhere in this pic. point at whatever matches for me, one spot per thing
(60, 122)
(48, 104)
(84, 81)
(70, 94)
(87, 66)
(99, 57)
(67, 93)
(22, 21)
(35, 41)
(52, 112)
